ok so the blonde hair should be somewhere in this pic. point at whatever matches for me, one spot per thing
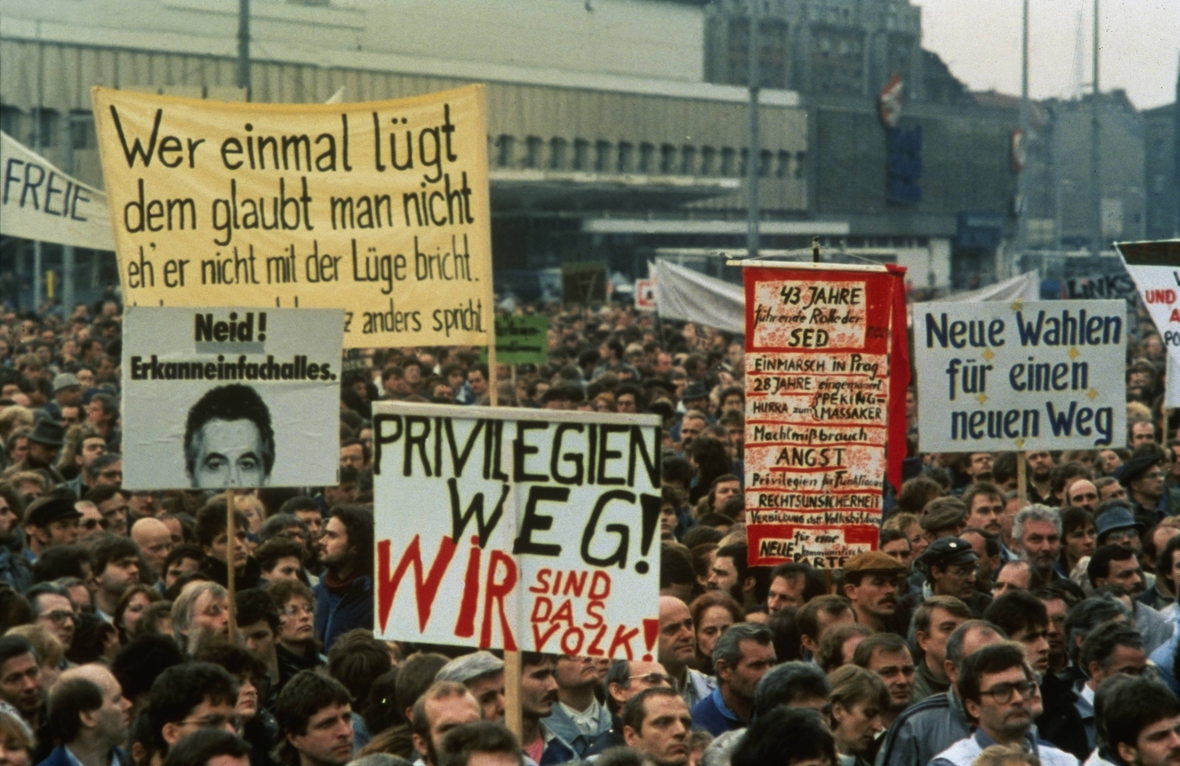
(852, 685)
(901, 522)
(1005, 755)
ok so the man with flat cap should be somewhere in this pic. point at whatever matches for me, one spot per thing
(1143, 476)
(67, 392)
(871, 582)
(949, 565)
(483, 675)
(50, 521)
(1117, 525)
(944, 517)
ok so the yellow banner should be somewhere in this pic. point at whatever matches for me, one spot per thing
(378, 208)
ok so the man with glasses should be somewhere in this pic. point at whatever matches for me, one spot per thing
(187, 698)
(1143, 476)
(50, 521)
(624, 680)
(91, 524)
(1000, 693)
(107, 470)
(1117, 525)
(53, 610)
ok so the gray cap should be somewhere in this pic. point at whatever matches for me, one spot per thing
(469, 667)
(65, 380)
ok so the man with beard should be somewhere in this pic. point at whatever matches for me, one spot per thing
(1141, 719)
(978, 466)
(20, 679)
(538, 693)
(677, 649)
(1040, 471)
(656, 722)
(200, 612)
(1036, 531)
(344, 596)
(116, 568)
(92, 448)
(871, 583)
(445, 705)
(732, 575)
(314, 717)
(89, 717)
(1000, 693)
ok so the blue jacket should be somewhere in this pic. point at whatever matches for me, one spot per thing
(59, 757)
(335, 614)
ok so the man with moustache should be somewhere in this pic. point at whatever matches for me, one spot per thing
(538, 694)
(871, 584)
(89, 716)
(1036, 531)
(1141, 721)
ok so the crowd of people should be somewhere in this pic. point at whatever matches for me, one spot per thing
(995, 624)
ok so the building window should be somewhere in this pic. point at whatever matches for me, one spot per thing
(647, 158)
(82, 134)
(782, 168)
(800, 157)
(667, 159)
(688, 160)
(708, 161)
(626, 161)
(765, 160)
(48, 125)
(558, 154)
(581, 154)
(602, 156)
(505, 145)
(532, 151)
(728, 161)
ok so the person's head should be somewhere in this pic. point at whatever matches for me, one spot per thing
(479, 743)
(444, 706)
(155, 543)
(949, 564)
(228, 439)
(280, 558)
(483, 675)
(346, 545)
(676, 644)
(112, 502)
(856, 704)
(53, 610)
(1024, 618)
(20, 675)
(786, 737)
(793, 584)
(999, 691)
(296, 605)
(538, 686)
(131, 607)
(199, 613)
(741, 656)
(210, 747)
(182, 560)
(356, 658)
(140, 662)
(189, 697)
(314, 720)
(819, 615)
(1084, 618)
(870, 583)
(933, 623)
(87, 704)
(213, 533)
(1116, 565)
(985, 505)
(657, 723)
(1036, 532)
(1082, 493)
(888, 656)
(1141, 722)
(248, 671)
(729, 571)
(713, 613)
(16, 740)
(1112, 649)
(51, 521)
(895, 543)
(626, 678)
(116, 565)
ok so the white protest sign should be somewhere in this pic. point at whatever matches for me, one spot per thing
(1020, 376)
(527, 530)
(38, 201)
(231, 397)
(1155, 267)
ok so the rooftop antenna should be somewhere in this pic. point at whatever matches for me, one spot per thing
(1079, 61)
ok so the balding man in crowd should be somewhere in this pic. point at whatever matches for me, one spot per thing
(88, 716)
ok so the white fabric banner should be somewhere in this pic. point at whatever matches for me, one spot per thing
(1155, 267)
(688, 295)
(1026, 287)
(40, 202)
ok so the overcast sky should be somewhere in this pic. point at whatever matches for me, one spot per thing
(980, 40)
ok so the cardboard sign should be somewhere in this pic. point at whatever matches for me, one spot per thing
(380, 209)
(531, 531)
(645, 294)
(1155, 267)
(230, 397)
(1044, 375)
(522, 339)
(817, 393)
(40, 202)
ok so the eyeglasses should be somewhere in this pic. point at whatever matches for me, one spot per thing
(111, 474)
(215, 721)
(292, 610)
(653, 678)
(59, 616)
(94, 523)
(1002, 694)
(1119, 535)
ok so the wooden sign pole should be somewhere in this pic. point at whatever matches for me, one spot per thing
(512, 712)
(1022, 477)
(231, 544)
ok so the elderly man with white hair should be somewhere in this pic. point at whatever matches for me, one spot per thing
(200, 612)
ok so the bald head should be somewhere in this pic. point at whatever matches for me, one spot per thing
(155, 543)
(86, 705)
